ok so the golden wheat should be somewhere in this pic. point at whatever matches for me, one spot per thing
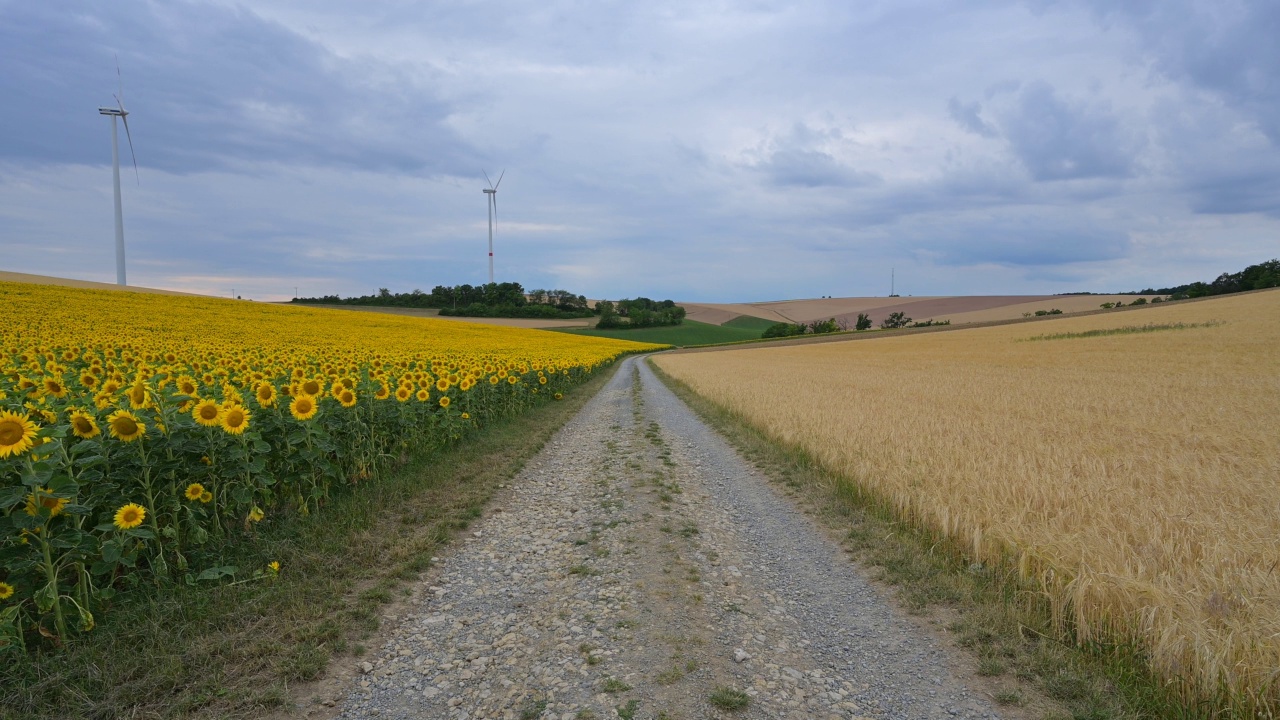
(1136, 476)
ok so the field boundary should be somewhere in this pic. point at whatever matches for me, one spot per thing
(1005, 625)
(902, 332)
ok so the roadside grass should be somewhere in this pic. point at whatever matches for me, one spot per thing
(690, 332)
(232, 651)
(1006, 625)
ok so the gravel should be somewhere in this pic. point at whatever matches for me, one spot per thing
(639, 564)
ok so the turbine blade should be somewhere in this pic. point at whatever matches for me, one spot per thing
(495, 205)
(119, 81)
(486, 179)
(127, 134)
(504, 172)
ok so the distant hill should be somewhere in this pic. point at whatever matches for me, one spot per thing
(958, 309)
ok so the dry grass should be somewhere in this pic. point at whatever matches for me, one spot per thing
(1133, 478)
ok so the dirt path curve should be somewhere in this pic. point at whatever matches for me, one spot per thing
(640, 568)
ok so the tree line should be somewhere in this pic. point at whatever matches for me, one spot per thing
(507, 299)
(639, 313)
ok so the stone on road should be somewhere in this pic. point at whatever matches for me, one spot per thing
(641, 568)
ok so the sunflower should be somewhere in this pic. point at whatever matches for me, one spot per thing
(6, 591)
(466, 384)
(347, 398)
(16, 434)
(466, 416)
(187, 385)
(54, 386)
(40, 499)
(494, 380)
(138, 396)
(125, 426)
(235, 419)
(424, 395)
(442, 384)
(207, 413)
(274, 567)
(559, 396)
(256, 514)
(512, 379)
(403, 394)
(542, 379)
(194, 492)
(206, 496)
(130, 516)
(383, 392)
(444, 401)
(311, 387)
(83, 425)
(265, 394)
(88, 380)
(303, 407)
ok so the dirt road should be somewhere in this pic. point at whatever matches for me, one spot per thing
(640, 568)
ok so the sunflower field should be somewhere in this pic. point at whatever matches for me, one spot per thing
(141, 433)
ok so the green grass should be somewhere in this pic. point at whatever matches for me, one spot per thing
(686, 334)
(233, 651)
(750, 322)
(727, 698)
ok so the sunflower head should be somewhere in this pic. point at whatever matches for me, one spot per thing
(206, 496)
(384, 392)
(6, 591)
(403, 394)
(235, 419)
(207, 412)
(194, 492)
(130, 516)
(138, 396)
(444, 401)
(310, 387)
(265, 394)
(17, 434)
(423, 395)
(54, 386)
(303, 407)
(40, 502)
(347, 398)
(125, 426)
(83, 425)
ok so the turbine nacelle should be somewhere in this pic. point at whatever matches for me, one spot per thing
(118, 112)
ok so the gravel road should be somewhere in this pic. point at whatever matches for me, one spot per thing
(640, 568)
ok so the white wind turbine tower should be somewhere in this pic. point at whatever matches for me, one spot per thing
(119, 113)
(492, 192)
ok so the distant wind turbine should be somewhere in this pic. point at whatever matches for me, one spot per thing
(119, 112)
(492, 192)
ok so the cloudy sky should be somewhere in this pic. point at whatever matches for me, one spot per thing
(716, 150)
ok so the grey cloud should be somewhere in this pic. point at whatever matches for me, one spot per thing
(1227, 49)
(208, 86)
(1056, 139)
(797, 159)
(967, 116)
(1030, 239)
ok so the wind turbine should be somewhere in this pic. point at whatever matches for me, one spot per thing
(118, 112)
(492, 192)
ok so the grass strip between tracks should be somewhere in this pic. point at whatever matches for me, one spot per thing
(1005, 625)
(232, 651)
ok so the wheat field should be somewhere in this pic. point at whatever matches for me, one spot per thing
(1133, 477)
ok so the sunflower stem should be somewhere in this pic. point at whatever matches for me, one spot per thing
(51, 572)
